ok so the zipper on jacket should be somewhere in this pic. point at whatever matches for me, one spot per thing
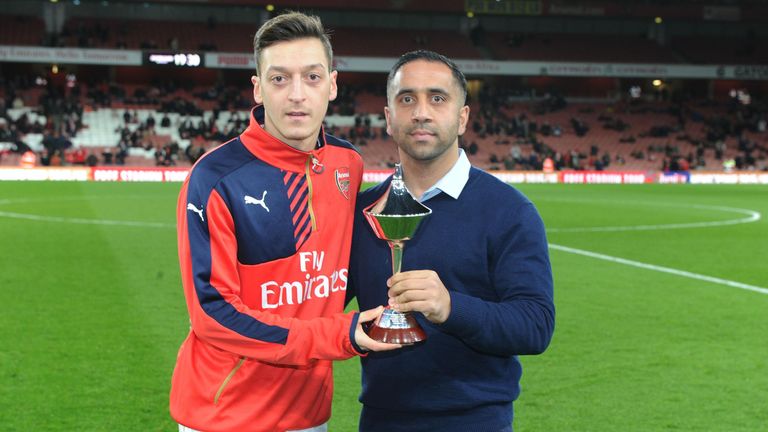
(227, 379)
(311, 162)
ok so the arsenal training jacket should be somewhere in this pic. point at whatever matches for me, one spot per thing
(264, 233)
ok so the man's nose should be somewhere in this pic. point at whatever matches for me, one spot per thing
(421, 112)
(297, 90)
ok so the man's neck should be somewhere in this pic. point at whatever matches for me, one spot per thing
(419, 176)
(306, 145)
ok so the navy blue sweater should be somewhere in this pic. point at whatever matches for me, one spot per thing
(490, 250)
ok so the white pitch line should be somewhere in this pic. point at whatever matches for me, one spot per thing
(83, 221)
(752, 216)
(661, 269)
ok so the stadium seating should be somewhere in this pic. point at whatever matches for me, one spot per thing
(103, 121)
(393, 42)
(580, 48)
(234, 37)
(134, 34)
(21, 30)
(721, 50)
(103, 126)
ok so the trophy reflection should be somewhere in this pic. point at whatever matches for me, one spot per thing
(396, 223)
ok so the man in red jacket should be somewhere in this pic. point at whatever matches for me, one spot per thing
(264, 232)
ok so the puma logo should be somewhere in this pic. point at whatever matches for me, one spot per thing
(199, 212)
(251, 200)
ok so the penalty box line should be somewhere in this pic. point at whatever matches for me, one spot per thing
(661, 269)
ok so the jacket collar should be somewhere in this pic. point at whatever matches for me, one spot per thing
(275, 152)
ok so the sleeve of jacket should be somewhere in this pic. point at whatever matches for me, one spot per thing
(523, 320)
(217, 313)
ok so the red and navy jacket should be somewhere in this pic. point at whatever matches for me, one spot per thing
(264, 234)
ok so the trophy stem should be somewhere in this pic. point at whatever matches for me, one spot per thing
(396, 246)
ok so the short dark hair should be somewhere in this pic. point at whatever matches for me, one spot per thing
(429, 56)
(287, 27)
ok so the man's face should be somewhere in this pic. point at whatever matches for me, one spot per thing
(295, 87)
(425, 112)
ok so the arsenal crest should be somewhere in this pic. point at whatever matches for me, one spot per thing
(342, 181)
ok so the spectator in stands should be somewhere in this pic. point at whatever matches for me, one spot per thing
(162, 158)
(237, 239)
(557, 131)
(56, 159)
(606, 159)
(546, 129)
(92, 160)
(79, 155)
(516, 152)
(194, 152)
(484, 297)
(575, 160)
(56, 142)
(45, 157)
(720, 148)
(473, 148)
(534, 162)
(107, 154)
(579, 127)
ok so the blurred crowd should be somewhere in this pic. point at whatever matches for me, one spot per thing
(524, 131)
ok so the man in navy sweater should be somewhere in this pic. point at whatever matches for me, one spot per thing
(476, 272)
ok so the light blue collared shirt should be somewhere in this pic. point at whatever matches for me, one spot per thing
(453, 181)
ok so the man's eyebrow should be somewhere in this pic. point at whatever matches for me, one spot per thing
(303, 69)
(430, 90)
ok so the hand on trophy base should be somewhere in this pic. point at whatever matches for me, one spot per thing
(396, 328)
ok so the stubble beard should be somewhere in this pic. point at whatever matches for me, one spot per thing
(425, 151)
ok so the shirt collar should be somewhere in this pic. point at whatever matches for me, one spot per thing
(453, 181)
(275, 152)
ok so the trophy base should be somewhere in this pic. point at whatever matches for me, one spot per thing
(397, 328)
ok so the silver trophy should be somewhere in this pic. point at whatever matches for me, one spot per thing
(396, 223)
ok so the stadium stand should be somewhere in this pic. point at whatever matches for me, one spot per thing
(21, 30)
(571, 47)
(391, 43)
(516, 135)
(139, 115)
(719, 50)
(137, 34)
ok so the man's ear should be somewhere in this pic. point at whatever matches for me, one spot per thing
(334, 87)
(386, 116)
(257, 90)
(463, 119)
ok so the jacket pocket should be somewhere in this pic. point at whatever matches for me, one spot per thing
(227, 379)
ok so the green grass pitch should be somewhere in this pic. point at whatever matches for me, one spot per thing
(92, 313)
